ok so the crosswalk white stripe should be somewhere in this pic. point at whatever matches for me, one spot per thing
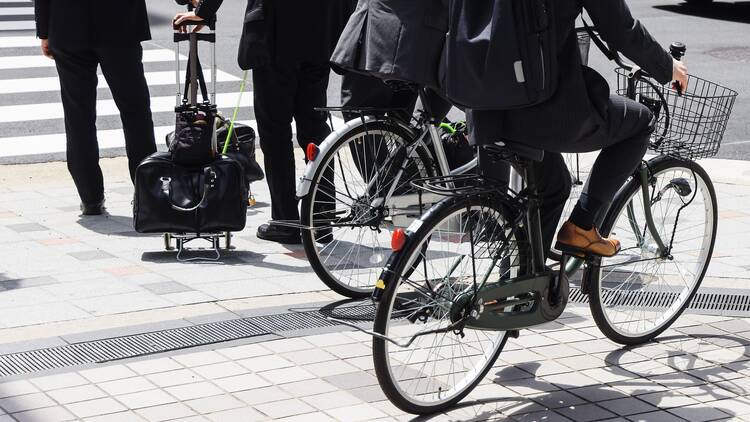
(52, 83)
(44, 111)
(8, 11)
(17, 25)
(15, 42)
(21, 62)
(55, 143)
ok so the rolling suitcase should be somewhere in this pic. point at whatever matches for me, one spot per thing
(192, 192)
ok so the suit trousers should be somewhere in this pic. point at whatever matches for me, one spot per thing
(122, 67)
(285, 91)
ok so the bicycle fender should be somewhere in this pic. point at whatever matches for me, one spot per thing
(305, 182)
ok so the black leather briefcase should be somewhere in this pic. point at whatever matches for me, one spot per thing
(170, 198)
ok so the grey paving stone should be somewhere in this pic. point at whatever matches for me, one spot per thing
(557, 399)
(263, 395)
(351, 380)
(658, 416)
(627, 406)
(699, 413)
(284, 408)
(145, 399)
(26, 402)
(369, 394)
(47, 414)
(544, 415)
(91, 255)
(23, 283)
(166, 287)
(95, 407)
(214, 404)
(76, 394)
(170, 411)
(585, 413)
(27, 227)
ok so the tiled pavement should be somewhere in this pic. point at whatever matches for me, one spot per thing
(63, 277)
(696, 372)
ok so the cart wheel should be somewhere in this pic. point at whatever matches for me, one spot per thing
(228, 240)
(168, 242)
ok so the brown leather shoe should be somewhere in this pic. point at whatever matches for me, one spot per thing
(577, 241)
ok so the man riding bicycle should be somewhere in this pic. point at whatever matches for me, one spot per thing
(582, 116)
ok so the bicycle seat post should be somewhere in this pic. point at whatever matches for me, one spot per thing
(533, 219)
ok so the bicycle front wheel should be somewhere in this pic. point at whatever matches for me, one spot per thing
(459, 242)
(639, 293)
(349, 237)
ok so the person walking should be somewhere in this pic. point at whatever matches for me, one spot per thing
(287, 43)
(80, 35)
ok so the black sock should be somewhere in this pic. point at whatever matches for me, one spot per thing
(585, 211)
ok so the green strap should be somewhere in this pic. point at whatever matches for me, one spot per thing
(234, 115)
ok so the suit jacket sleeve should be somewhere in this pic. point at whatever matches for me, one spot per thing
(617, 26)
(207, 8)
(41, 15)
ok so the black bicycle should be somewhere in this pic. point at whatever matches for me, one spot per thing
(471, 271)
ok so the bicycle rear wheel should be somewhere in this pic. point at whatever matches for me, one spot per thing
(457, 243)
(349, 239)
(638, 294)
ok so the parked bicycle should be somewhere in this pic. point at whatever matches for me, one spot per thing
(357, 189)
(471, 271)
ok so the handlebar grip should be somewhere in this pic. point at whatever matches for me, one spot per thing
(677, 50)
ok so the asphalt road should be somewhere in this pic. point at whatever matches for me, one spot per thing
(717, 36)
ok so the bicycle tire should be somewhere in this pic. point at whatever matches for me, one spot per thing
(322, 270)
(598, 297)
(402, 262)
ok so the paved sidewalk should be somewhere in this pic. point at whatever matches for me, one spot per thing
(66, 279)
(564, 371)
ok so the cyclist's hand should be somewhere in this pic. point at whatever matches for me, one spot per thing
(680, 74)
(187, 16)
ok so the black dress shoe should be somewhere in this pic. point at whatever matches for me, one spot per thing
(92, 209)
(280, 234)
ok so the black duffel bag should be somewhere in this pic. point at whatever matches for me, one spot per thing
(241, 148)
(176, 199)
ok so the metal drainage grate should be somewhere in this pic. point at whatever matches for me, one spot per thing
(124, 347)
(702, 301)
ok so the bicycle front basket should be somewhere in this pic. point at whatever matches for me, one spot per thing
(693, 124)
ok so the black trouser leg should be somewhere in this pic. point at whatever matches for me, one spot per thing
(123, 69)
(275, 88)
(312, 127)
(629, 128)
(78, 82)
(553, 185)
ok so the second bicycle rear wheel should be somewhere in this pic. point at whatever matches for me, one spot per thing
(350, 229)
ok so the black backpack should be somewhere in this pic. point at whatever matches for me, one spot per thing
(500, 54)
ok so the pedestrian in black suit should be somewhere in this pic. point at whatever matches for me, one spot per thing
(287, 43)
(81, 35)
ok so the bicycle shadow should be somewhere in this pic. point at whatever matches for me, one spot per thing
(731, 11)
(527, 395)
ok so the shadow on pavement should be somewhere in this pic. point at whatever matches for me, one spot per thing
(710, 384)
(108, 224)
(732, 12)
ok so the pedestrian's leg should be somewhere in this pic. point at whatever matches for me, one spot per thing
(78, 81)
(123, 69)
(274, 89)
(312, 128)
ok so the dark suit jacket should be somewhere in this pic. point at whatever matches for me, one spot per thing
(579, 106)
(395, 39)
(287, 30)
(92, 23)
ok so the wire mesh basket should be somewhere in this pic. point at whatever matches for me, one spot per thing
(692, 125)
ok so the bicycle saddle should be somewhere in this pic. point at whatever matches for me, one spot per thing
(507, 148)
